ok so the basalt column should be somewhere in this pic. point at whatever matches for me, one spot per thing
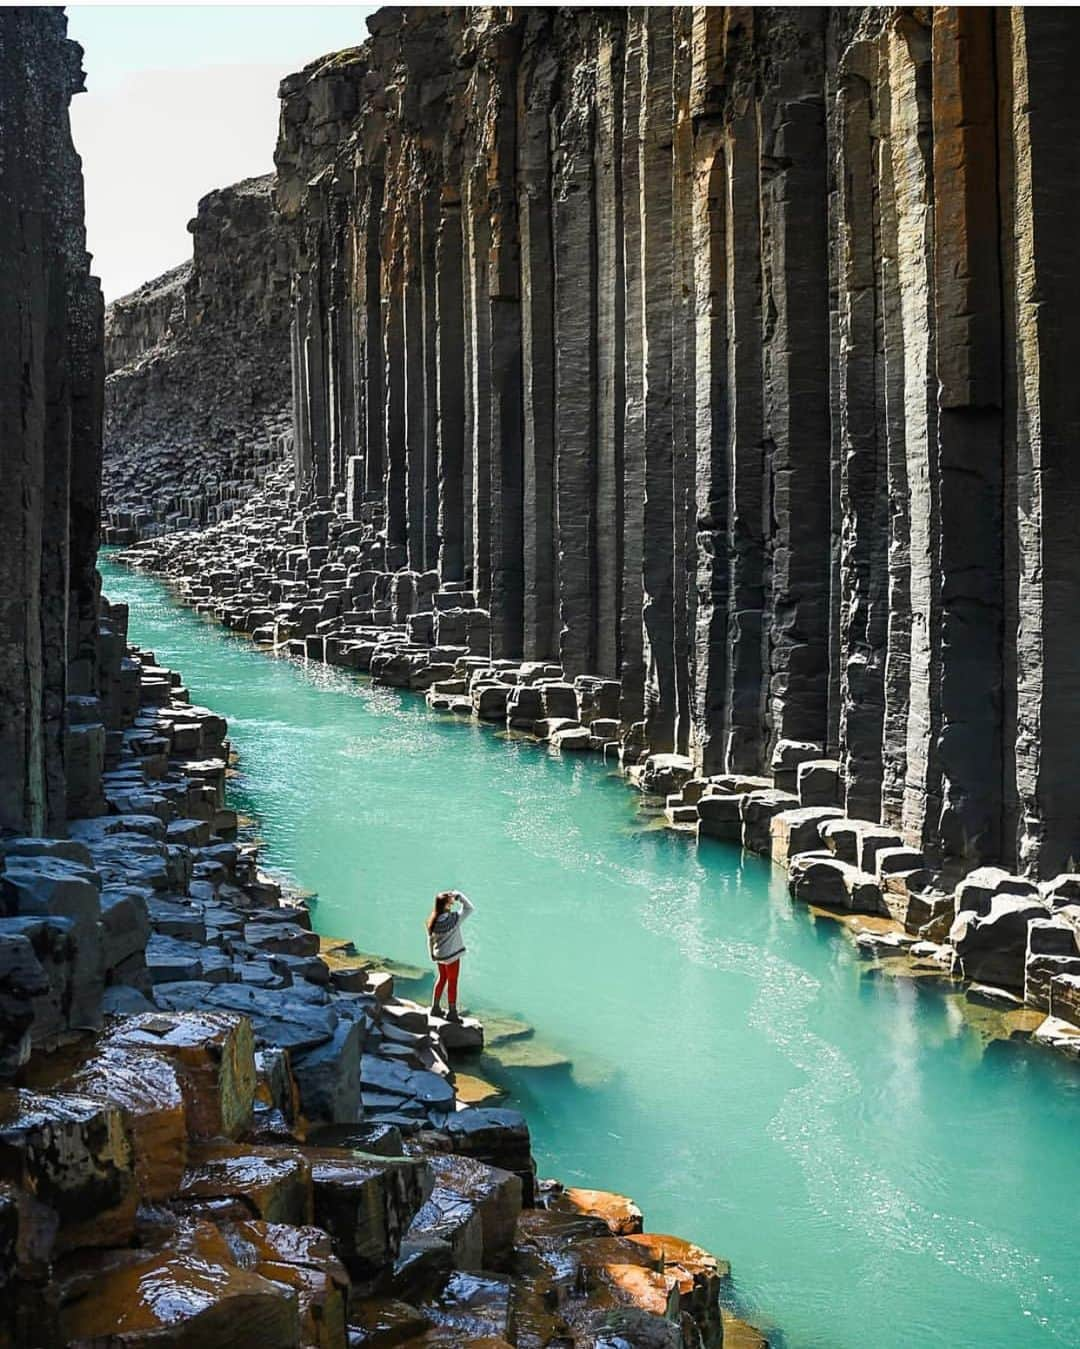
(863, 492)
(631, 627)
(796, 371)
(710, 297)
(967, 284)
(657, 281)
(536, 92)
(504, 327)
(610, 328)
(908, 53)
(50, 433)
(1042, 47)
(575, 372)
(745, 431)
(450, 366)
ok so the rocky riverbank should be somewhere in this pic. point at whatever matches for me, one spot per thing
(215, 1118)
(300, 579)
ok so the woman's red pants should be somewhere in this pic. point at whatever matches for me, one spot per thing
(448, 977)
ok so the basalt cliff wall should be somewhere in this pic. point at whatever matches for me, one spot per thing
(724, 352)
(197, 394)
(51, 739)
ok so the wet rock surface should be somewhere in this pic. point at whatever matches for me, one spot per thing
(280, 1146)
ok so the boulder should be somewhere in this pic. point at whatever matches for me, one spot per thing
(828, 883)
(471, 1309)
(720, 817)
(274, 1183)
(1062, 890)
(214, 1057)
(620, 1215)
(366, 1204)
(72, 1153)
(818, 782)
(991, 948)
(796, 831)
(787, 756)
(571, 739)
(560, 700)
(663, 774)
(976, 891)
(757, 810)
(489, 701)
(328, 1075)
(301, 1259)
(147, 1087)
(186, 1293)
(464, 1182)
(1065, 998)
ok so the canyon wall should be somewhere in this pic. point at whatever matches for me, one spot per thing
(197, 394)
(723, 352)
(51, 738)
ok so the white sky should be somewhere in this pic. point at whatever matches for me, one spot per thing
(181, 99)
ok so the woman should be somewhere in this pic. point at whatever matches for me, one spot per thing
(446, 947)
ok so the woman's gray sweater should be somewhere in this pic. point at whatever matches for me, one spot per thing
(444, 939)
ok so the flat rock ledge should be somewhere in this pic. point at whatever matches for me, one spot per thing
(211, 1118)
(305, 578)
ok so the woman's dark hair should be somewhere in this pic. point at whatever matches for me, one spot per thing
(442, 903)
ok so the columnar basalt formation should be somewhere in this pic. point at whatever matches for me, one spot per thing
(718, 351)
(51, 736)
(216, 1128)
(197, 393)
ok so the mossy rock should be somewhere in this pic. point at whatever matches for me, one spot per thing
(477, 1090)
(344, 953)
(531, 1054)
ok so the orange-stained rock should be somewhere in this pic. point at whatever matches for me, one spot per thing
(72, 1154)
(301, 1258)
(381, 1323)
(621, 1214)
(186, 1295)
(698, 1276)
(597, 1326)
(535, 1297)
(493, 1193)
(741, 1335)
(550, 1228)
(147, 1087)
(475, 1306)
(630, 1273)
(214, 1054)
(273, 1183)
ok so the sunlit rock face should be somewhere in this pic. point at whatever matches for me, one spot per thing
(197, 394)
(721, 354)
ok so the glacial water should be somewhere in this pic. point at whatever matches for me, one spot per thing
(878, 1177)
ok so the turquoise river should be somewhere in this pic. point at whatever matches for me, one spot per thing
(877, 1175)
